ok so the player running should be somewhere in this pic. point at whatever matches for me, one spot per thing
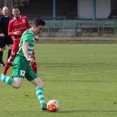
(21, 67)
(16, 27)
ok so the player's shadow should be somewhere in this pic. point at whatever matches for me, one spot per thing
(96, 111)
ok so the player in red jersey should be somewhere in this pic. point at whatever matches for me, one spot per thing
(16, 28)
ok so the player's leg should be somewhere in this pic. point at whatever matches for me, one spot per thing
(15, 83)
(2, 48)
(19, 70)
(9, 43)
(11, 58)
(9, 52)
(7, 65)
(33, 78)
(18, 73)
(8, 56)
(34, 64)
(1, 56)
(39, 92)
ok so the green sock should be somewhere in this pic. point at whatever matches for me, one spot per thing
(6, 79)
(40, 95)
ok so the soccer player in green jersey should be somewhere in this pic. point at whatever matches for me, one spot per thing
(22, 62)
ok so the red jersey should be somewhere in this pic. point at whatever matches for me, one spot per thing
(18, 24)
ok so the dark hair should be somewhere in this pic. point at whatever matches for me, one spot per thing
(38, 21)
(15, 7)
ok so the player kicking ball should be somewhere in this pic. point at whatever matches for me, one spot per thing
(22, 61)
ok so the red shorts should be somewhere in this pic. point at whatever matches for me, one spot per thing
(15, 47)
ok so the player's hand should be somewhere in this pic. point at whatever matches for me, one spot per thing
(17, 33)
(2, 35)
(30, 59)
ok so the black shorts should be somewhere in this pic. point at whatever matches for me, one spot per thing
(7, 40)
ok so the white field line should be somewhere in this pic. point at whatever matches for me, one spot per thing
(78, 73)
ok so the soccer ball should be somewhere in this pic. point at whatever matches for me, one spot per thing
(53, 106)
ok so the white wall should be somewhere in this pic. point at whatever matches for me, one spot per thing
(84, 9)
(103, 8)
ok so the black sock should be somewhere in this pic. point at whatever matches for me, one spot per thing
(1, 55)
(9, 52)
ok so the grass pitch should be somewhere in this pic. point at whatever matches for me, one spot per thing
(82, 77)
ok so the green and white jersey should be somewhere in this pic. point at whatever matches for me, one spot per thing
(29, 37)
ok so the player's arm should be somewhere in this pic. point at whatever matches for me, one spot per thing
(25, 51)
(10, 27)
(37, 39)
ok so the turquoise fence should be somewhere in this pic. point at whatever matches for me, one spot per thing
(74, 28)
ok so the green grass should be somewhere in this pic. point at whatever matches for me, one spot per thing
(82, 77)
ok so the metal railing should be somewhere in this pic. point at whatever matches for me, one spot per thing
(75, 28)
(53, 18)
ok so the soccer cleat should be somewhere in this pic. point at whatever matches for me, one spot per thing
(2, 64)
(44, 107)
